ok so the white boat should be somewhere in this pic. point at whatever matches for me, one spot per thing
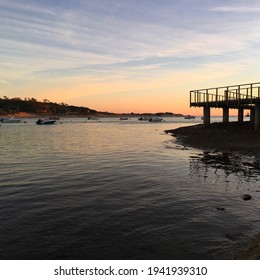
(45, 121)
(10, 120)
(143, 118)
(189, 117)
(155, 119)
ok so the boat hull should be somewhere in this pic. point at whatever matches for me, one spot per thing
(10, 120)
(45, 122)
(155, 120)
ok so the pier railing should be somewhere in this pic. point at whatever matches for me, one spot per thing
(236, 95)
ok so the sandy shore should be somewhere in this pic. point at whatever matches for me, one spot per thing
(25, 115)
(231, 137)
(22, 115)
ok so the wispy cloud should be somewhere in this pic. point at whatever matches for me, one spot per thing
(237, 9)
(4, 82)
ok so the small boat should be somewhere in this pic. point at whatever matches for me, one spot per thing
(155, 119)
(143, 118)
(189, 117)
(10, 120)
(123, 119)
(45, 121)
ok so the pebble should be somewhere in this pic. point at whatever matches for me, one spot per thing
(247, 197)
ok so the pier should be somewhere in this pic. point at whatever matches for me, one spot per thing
(236, 97)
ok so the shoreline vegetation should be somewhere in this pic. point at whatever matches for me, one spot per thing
(32, 108)
(230, 137)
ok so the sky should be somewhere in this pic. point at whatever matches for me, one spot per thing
(126, 55)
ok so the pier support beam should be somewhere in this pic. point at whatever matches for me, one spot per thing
(225, 115)
(240, 115)
(206, 115)
(252, 114)
(257, 116)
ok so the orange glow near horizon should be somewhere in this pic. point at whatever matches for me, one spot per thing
(124, 97)
(121, 96)
(117, 96)
(118, 92)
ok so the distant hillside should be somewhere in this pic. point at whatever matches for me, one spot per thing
(16, 105)
(32, 106)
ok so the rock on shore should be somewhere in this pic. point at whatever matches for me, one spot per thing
(229, 137)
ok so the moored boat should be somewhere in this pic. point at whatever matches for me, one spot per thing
(155, 119)
(189, 117)
(143, 118)
(45, 121)
(10, 120)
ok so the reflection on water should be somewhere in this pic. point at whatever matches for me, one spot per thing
(221, 167)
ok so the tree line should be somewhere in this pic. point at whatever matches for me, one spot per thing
(31, 105)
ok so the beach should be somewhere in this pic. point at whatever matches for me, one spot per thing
(233, 137)
(22, 115)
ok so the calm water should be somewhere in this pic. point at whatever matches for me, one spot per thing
(121, 190)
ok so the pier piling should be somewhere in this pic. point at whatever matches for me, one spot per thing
(206, 115)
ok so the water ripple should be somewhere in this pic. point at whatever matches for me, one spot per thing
(120, 191)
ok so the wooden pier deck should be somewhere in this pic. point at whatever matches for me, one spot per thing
(240, 97)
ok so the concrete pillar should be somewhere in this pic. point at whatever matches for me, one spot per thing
(206, 115)
(225, 114)
(257, 116)
(240, 115)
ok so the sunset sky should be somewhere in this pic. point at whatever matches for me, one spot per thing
(126, 55)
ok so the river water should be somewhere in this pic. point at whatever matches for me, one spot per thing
(112, 189)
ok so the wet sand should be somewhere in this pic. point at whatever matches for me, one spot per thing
(230, 137)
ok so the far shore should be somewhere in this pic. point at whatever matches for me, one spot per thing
(225, 137)
(25, 115)
(22, 115)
